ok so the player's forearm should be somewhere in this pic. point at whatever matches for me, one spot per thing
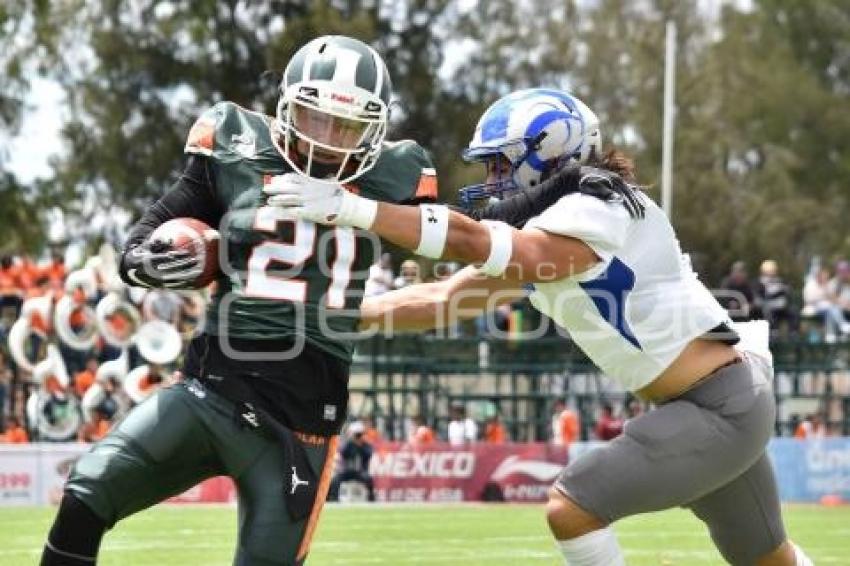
(498, 249)
(191, 196)
(466, 240)
(417, 307)
(465, 295)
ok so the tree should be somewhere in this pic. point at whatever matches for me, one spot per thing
(762, 141)
(21, 228)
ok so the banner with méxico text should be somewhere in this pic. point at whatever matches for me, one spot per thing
(481, 472)
(807, 471)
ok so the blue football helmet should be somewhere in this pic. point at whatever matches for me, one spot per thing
(536, 130)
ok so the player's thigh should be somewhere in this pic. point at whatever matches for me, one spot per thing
(744, 516)
(665, 458)
(159, 450)
(648, 468)
(267, 533)
(680, 451)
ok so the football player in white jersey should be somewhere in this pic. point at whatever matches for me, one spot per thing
(607, 267)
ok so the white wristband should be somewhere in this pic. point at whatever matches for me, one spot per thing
(434, 229)
(501, 248)
(357, 211)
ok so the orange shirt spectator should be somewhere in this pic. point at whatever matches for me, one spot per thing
(15, 433)
(29, 273)
(372, 434)
(566, 427)
(94, 430)
(84, 379)
(56, 270)
(810, 427)
(9, 282)
(421, 434)
(78, 317)
(495, 432)
(569, 426)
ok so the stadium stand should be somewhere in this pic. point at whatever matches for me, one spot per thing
(517, 373)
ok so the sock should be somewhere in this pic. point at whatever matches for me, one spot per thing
(75, 536)
(597, 548)
(802, 559)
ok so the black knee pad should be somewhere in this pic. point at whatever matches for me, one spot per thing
(75, 536)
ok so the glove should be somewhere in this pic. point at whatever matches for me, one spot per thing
(609, 186)
(317, 201)
(156, 265)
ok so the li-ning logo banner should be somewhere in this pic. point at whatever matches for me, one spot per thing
(539, 470)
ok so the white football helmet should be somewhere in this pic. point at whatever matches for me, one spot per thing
(333, 110)
(537, 130)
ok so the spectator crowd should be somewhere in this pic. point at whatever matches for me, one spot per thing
(96, 382)
(818, 312)
(821, 309)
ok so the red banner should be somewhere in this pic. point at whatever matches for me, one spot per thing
(492, 472)
(439, 472)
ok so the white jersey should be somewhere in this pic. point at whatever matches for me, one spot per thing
(637, 309)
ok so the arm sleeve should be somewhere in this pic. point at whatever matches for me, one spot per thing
(192, 196)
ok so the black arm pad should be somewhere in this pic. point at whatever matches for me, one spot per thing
(525, 205)
(192, 196)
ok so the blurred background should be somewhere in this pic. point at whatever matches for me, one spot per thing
(97, 97)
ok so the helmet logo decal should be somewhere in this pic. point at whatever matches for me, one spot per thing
(342, 98)
(496, 125)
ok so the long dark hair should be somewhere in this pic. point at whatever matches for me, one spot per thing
(616, 161)
(626, 186)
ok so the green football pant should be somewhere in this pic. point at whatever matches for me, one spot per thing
(183, 435)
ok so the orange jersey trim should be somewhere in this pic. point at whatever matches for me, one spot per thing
(313, 439)
(427, 187)
(201, 137)
(321, 495)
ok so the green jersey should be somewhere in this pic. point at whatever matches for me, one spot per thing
(284, 278)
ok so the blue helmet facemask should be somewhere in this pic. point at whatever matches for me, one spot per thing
(515, 152)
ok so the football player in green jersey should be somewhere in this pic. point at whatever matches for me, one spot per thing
(265, 389)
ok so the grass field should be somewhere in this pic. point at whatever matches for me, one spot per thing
(510, 535)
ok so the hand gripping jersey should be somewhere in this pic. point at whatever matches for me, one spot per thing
(285, 278)
(636, 310)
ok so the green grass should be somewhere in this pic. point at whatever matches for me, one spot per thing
(492, 535)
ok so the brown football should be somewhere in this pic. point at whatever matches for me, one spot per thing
(195, 236)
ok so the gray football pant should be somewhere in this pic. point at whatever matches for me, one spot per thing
(704, 450)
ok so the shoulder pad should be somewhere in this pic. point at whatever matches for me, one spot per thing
(227, 132)
(404, 172)
(600, 224)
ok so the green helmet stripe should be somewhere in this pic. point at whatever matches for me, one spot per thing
(295, 69)
(323, 69)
